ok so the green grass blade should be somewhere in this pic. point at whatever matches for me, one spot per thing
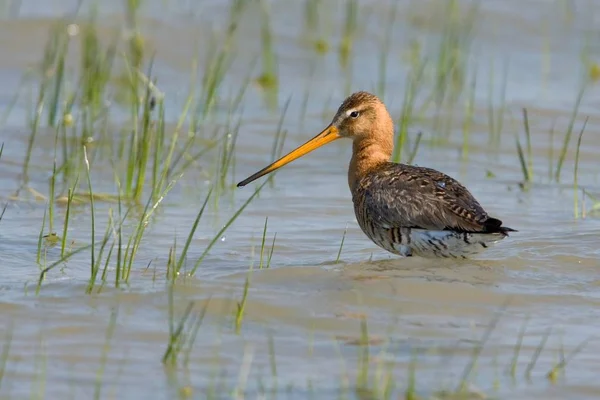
(191, 234)
(271, 251)
(337, 260)
(565, 146)
(262, 244)
(93, 217)
(576, 172)
(227, 225)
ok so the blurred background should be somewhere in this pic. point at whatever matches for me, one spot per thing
(132, 267)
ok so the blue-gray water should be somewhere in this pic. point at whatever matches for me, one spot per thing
(309, 305)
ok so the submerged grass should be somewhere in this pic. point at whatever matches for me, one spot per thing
(241, 305)
(110, 330)
(553, 374)
(5, 352)
(177, 338)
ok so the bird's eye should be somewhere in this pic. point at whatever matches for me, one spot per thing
(354, 114)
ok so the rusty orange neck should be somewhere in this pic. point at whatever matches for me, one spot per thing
(367, 154)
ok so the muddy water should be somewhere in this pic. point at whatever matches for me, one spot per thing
(302, 320)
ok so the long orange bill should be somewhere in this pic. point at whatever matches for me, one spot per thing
(330, 134)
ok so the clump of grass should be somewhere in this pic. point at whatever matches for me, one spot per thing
(125, 260)
(448, 66)
(145, 135)
(85, 115)
(414, 83)
(219, 58)
(218, 61)
(454, 46)
(96, 67)
(51, 75)
(127, 247)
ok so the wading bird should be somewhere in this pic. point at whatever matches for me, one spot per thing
(404, 209)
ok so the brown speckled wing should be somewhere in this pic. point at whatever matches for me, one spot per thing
(398, 195)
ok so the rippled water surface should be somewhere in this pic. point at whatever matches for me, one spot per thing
(306, 316)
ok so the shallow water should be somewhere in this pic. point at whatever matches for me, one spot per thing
(303, 315)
